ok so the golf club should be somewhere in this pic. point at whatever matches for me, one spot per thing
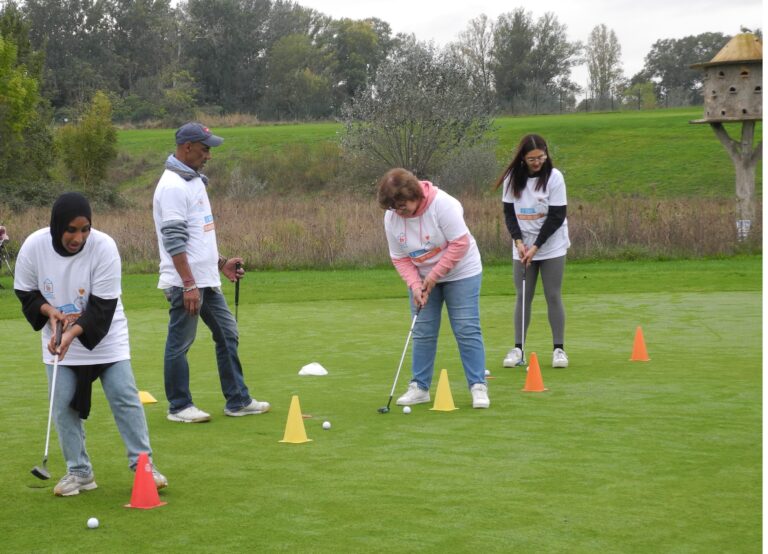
(522, 324)
(41, 471)
(237, 288)
(385, 409)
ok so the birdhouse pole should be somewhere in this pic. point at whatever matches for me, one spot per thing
(733, 93)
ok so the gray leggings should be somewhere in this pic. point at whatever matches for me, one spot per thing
(552, 278)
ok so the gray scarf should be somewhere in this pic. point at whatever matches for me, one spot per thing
(182, 170)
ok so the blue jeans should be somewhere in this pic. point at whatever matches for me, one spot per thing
(123, 397)
(462, 298)
(181, 334)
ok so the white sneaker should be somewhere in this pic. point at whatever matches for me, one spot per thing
(190, 415)
(160, 480)
(514, 358)
(254, 408)
(480, 396)
(72, 484)
(414, 395)
(559, 359)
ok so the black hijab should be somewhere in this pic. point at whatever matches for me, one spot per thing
(67, 207)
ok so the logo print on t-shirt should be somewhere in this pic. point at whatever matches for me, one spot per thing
(208, 223)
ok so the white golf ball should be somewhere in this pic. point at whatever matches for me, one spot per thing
(406, 409)
(326, 425)
(487, 372)
(93, 523)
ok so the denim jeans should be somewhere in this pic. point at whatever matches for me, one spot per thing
(123, 397)
(182, 328)
(462, 299)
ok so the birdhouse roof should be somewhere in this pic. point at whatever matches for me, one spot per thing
(742, 48)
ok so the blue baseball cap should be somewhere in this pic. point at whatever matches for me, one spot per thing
(197, 132)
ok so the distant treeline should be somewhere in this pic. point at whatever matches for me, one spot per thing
(161, 60)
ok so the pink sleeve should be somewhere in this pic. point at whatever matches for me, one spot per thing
(407, 271)
(453, 254)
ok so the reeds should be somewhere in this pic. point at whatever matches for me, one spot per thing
(346, 230)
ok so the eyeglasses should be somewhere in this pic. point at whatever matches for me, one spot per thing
(539, 159)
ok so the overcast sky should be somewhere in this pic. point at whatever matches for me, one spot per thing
(638, 24)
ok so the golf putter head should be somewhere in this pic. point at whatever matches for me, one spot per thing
(41, 472)
(384, 410)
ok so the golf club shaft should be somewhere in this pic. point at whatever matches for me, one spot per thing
(402, 357)
(53, 391)
(522, 324)
(237, 288)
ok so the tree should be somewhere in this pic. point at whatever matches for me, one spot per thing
(88, 146)
(603, 55)
(143, 38)
(640, 96)
(475, 47)
(513, 41)
(354, 47)
(551, 59)
(669, 65)
(75, 37)
(420, 110)
(26, 151)
(223, 45)
(532, 61)
(297, 84)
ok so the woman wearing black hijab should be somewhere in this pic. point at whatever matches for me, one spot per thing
(70, 274)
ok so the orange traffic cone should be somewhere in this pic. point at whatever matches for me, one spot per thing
(443, 396)
(639, 353)
(533, 381)
(294, 427)
(144, 493)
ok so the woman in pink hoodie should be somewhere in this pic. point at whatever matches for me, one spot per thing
(436, 255)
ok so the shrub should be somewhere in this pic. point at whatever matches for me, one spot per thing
(88, 146)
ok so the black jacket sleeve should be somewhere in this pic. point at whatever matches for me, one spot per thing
(31, 300)
(96, 320)
(511, 221)
(555, 218)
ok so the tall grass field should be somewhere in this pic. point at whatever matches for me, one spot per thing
(617, 456)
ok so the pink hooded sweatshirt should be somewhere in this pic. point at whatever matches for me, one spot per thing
(454, 251)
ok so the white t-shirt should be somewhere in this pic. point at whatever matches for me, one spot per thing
(424, 238)
(531, 210)
(179, 200)
(67, 282)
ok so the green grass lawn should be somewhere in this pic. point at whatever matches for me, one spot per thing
(618, 456)
(648, 153)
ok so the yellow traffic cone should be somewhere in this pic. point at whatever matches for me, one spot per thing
(294, 427)
(443, 396)
(147, 398)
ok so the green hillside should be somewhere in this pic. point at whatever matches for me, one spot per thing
(654, 153)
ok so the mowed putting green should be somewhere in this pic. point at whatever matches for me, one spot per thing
(618, 456)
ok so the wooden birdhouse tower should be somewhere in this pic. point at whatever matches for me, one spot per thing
(733, 93)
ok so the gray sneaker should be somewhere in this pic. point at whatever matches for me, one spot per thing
(190, 415)
(72, 484)
(254, 408)
(414, 395)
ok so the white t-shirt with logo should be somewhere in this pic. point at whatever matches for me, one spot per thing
(179, 200)
(67, 282)
(424, 238)
(531, 210)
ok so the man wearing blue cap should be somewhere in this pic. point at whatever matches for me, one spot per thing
(189, 277)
